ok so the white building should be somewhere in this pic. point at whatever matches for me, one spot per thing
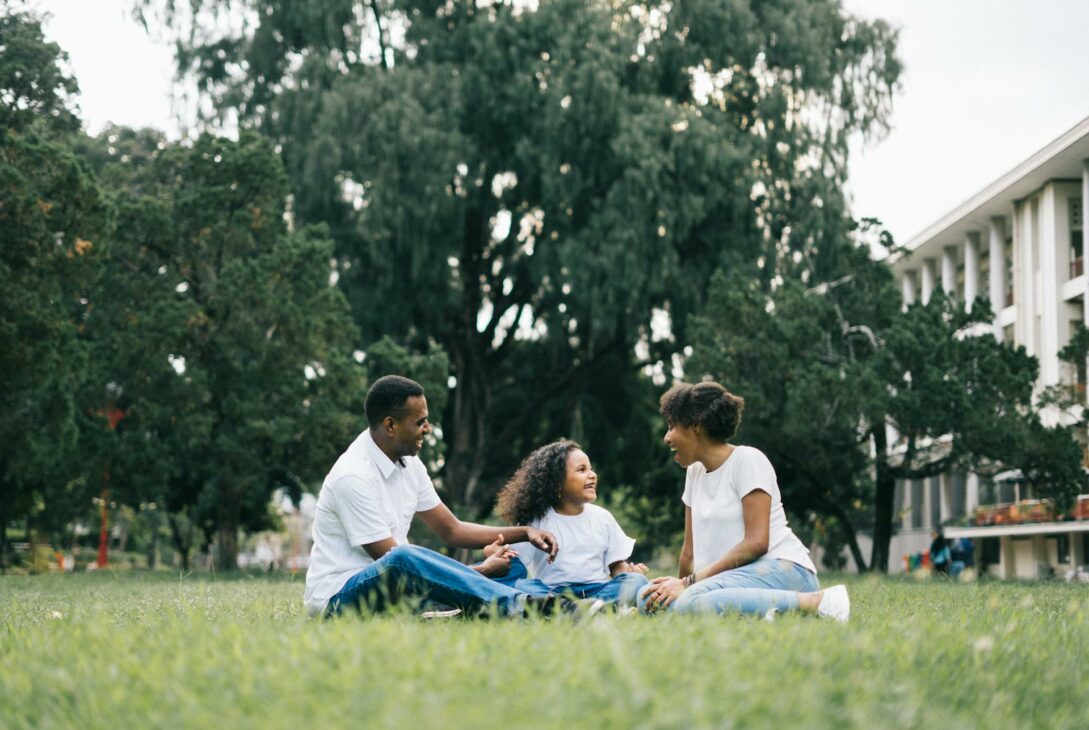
(1020, 242)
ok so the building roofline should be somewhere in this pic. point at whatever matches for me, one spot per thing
(1005, 183)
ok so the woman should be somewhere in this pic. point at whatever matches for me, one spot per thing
(739, 555)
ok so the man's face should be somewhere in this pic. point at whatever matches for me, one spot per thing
(409, 432)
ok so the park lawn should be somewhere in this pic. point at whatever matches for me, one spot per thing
(148, 650)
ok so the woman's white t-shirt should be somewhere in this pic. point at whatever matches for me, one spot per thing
(589, 543)
(717, 521)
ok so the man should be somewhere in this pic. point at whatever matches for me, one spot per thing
(361, 552)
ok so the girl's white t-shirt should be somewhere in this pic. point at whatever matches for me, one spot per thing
(589, 543)
(717, 521)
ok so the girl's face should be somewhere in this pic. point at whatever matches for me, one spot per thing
(685, 443)
(580, 485)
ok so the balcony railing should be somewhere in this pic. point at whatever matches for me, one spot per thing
(1028, 510)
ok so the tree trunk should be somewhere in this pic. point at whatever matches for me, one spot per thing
(468, 444)
(182, 538)
(3, 544)
(884, 494)
(849, 535)
(227, 533)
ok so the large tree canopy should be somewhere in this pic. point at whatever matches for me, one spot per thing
(544, 188)
(216, 329)
(53, 218)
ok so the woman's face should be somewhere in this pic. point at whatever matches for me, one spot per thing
(580, 485)
(685, 443)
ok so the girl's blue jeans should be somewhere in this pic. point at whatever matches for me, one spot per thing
(753, 589)
(622, 590)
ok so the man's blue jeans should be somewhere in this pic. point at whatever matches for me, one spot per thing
(621, 590)
(753, 589)
(411, 571)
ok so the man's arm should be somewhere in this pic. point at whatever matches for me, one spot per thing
(380, 548)
(455, 533)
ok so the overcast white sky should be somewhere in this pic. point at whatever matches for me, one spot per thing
(987, 83)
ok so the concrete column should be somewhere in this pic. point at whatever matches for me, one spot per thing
(1024, 278)
(1085, 237)
(907, 288)
(926, 280)
(996, 245)
(949, 271)
(971, 269)
(1050, 281)
(971, 498)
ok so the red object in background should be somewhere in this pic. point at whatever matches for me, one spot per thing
(113, 416)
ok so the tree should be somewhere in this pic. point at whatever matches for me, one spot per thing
(220, 332)
(542, 190)
(53, 217)
(34, 89)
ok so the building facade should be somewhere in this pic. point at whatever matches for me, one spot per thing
(1019, 242)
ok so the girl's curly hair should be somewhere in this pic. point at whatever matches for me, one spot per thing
(537, 485)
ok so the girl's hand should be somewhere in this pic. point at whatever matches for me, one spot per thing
(496, 547)
(637, 568)
(664, 591)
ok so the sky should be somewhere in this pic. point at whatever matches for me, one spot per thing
(986, 84)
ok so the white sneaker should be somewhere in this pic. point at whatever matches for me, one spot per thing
(441, 613)
(772, 614)
(835, 604)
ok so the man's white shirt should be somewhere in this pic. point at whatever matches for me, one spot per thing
(365, 498)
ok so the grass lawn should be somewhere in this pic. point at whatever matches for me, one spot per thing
(138, 650)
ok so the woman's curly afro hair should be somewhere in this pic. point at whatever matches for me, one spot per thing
(537, 485)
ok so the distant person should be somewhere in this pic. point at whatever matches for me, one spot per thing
(361, 555)
(940, 555)
(555, 489)
(739, 554)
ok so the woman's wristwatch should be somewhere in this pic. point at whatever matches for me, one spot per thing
(688, 579)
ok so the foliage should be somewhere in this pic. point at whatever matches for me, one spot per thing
(217, 331)
(35, 91)
(127, 650)
(53, 217)
(537, 188)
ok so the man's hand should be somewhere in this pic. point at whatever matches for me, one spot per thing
(664, 591)
(542, 540)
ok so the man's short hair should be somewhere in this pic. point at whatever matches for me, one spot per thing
(388, 396)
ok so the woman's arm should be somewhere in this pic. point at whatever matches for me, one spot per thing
(666, 589)
(756, 512)
(684, 563)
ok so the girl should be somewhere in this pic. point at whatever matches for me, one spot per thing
(554, 489)
(739, 554)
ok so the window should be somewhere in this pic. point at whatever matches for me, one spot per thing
(1009, 271)
(958, 495)
(1062, 548)
(916, 503)
(990, 552)
(935, 501)
(1077, 244)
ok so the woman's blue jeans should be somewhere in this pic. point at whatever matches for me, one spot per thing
(753, 589)
(411, 571)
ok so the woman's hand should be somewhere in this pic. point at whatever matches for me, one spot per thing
(664, 591)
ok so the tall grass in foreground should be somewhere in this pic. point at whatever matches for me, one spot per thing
(132, 650)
